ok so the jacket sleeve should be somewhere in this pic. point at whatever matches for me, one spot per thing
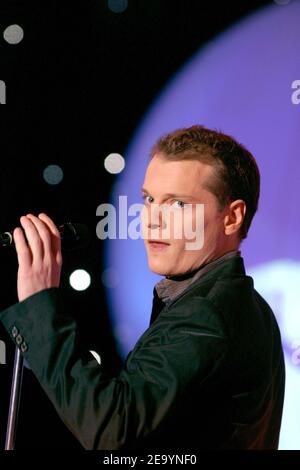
(104, 412)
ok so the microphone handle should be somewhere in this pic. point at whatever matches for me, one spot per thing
(68, 235)
(15, 395)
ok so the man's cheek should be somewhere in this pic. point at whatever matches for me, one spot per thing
(194, 226)
(177, 225)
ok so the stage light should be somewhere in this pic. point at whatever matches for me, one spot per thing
(80, 279)
(117, 6)
(13, 34)
(114, 163)
(53, 174)
(110, 278)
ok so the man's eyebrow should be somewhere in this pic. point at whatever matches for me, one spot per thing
(144, 190)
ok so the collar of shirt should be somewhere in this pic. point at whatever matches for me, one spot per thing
(170, 287)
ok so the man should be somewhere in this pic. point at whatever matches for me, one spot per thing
(209, 372)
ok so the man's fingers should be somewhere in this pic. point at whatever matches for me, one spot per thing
(56, 242)
(23, 251)
(45, 218)
(33, 237)
(43, 232)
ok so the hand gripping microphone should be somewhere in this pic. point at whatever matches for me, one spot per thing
(72, 236)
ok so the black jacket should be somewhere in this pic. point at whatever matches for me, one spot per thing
(208, 373)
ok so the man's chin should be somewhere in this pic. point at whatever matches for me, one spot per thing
(158, 269)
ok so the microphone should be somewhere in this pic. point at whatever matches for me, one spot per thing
(72, 236)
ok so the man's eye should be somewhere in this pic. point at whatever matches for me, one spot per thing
(144, 197)
(179, 204)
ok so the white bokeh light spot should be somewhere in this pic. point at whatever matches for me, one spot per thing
(13, 34)
(80, 279)
(114, 163)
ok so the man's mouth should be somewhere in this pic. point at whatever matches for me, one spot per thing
(158, 245)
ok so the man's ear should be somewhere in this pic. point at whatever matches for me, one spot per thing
(235, 216)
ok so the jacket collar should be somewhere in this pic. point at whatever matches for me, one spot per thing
(228, 267)
(171, 287)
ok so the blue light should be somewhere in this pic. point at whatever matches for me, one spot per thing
(240, 83)
(117, 6)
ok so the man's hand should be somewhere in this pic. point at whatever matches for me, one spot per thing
(40, 260)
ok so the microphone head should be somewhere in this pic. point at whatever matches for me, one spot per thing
(73, 235)
(6, 239)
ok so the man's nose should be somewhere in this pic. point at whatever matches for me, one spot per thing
(155, 216)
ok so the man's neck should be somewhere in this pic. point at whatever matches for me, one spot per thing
(188, 274)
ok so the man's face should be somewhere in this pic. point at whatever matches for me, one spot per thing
(173, 183)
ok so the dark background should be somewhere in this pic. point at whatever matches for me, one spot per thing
(77, 87)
